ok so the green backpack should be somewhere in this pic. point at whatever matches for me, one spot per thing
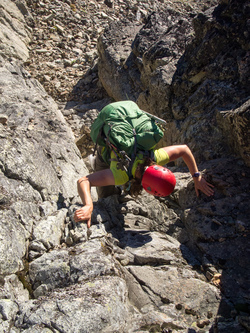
(125, 129)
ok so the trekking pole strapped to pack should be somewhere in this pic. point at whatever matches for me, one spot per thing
(159, 120)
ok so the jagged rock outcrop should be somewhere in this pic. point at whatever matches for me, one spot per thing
(192, 71)
(146, 265)
(146, 70)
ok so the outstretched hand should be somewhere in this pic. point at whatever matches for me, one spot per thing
(84, 214)
(202, 185)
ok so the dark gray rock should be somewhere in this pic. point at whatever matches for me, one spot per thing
(212, 78)
(192, 72)
(139, 64)
(204, 97)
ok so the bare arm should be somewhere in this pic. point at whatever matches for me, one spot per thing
(175, 152)
(100, 178)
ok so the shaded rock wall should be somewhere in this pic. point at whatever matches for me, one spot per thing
(193, 71)
(212, 82)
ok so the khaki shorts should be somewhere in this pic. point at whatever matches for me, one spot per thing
(99, 164)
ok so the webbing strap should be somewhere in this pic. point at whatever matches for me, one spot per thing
(99, 134)
(133, 156)
(126, 163)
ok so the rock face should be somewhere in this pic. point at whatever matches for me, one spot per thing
(194, 73)
(15, 34)
(178, 264)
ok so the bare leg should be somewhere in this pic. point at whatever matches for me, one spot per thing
(103, 191)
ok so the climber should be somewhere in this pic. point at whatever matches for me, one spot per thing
(125, 138)
(147, 173)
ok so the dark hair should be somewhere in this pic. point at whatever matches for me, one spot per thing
(135, 183)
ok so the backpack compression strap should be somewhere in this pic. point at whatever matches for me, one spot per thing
(133, 156)
(124, 162)
(99, 135)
